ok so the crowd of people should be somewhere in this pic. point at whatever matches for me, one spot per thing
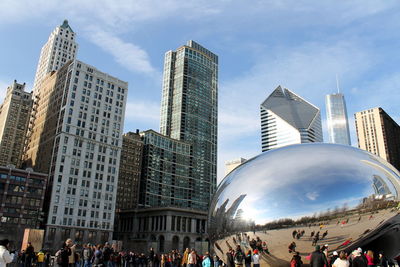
(104, 256)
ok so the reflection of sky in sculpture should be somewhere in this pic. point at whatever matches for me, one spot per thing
(301, 180)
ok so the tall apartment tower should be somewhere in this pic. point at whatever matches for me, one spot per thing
(130, 169)
(189, 112)
(379, 134)
(338, 123)
(76, 137)
(288, 119)
(58, 50)
(14, 119)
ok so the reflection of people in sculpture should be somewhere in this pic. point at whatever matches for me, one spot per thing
(294, 234)
(312, 233)
(256, 259)
(292, 247)
(324, 234)
(318, 258)
(229, 258)
(265, 247)
(238, 257)
(296, 260)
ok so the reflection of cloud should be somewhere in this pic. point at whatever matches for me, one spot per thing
(312, 195)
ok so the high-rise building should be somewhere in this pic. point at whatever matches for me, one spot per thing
(58, 50)
(288, 119)
(179, 168)
(130, 169)
(232, 164)
(76, 137)
(21, 197)
(167, 177)
(338, 123)
(14, 119)
(379, 134)
(189, 112)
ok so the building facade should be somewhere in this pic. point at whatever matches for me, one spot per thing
(232, 164)
(337, 121)
(21, 197)
(60, 48)
(14, 120)
(189, 112)
(379, 134)
(83, 148)
(288, 119)
(163, 229)
(130, 169)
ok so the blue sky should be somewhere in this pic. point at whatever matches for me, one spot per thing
(301, 45)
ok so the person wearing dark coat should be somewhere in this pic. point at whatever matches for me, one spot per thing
(229, 259)
(318, 258)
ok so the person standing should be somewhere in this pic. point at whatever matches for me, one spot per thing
(30, 255)
(151, 257)
(229, 258)
(87, 256)
(185, 257)
(256, 259)
(192, 258)
(206, 260)
(40, 259)
(5, 255)
(318, 258)
(341, 261)
(62, 256)
(72, 247)
(296, 260)
(247, 259)
(238, 257)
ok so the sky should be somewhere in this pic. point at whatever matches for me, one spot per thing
(301, 45)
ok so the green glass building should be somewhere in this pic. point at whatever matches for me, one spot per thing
(189, 113)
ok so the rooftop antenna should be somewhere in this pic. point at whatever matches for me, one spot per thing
(337, 84)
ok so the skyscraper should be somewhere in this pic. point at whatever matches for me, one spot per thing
(189, 111)
(58, 50)
(14, 119)
(179, 164)
(288, 119)
(77, 138)
(338, 123)
(130, 169)
(379, 134)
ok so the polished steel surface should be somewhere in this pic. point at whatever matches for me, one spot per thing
(348, 195)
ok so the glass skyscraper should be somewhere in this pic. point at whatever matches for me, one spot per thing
(338, 123)
(288, 119)
(189, 112)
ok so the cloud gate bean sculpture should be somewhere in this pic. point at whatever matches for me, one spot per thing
(296, 197)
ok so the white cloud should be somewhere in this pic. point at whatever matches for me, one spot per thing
(127, 54)
(312, 195)
(141, 110)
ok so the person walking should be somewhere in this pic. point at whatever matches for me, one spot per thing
(5, 255)
(318, 258)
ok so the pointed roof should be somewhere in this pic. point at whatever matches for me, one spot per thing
(290, 107)
(66, 26)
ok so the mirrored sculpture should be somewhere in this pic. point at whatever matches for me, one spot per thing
(309, 194)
